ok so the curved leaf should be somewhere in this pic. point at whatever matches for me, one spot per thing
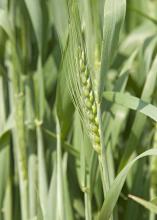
(148, 205)
(117, 185)
(132, 102)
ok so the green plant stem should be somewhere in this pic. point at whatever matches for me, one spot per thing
(153, 180)
(68, 147)
(87, 199)
(8, 202)
(87, 206)
(60, 196)
(42, 177)
(21, 155)
(31, 144)
(17, 109)
(103, 159)
(104, 169)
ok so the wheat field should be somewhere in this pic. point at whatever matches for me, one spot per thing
(78, 109)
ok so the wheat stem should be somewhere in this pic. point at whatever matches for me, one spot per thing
(153, 180)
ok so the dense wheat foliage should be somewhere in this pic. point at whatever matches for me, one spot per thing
(78, 109)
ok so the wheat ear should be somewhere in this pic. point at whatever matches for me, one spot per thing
(89, 103)
(84, 97)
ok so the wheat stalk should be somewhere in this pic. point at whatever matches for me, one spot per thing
(153, 168)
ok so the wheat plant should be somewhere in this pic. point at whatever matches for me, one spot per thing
(78, 109)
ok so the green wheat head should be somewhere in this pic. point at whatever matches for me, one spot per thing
(81, 81)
